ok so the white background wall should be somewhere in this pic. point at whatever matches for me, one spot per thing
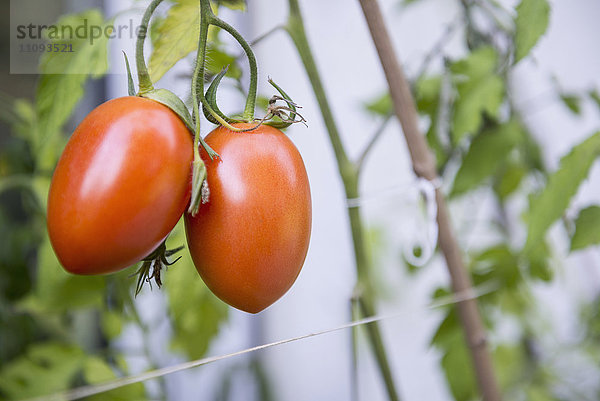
(320, 368)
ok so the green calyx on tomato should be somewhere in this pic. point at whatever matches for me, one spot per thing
(153, 264)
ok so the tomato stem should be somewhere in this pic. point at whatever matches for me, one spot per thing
(198, 75)
(207, 18)
(198, 167)
(144, 79)
(251, 99)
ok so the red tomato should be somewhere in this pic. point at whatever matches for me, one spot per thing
(250, 240)
(120, 186)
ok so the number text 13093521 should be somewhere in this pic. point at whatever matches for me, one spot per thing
(46, 48)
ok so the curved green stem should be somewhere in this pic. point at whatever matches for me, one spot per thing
(211, 98)
(143, 76)
(207, 18)
(251, 99)
(198, 166)
(206, 15)
(198, 75)
(349, 174)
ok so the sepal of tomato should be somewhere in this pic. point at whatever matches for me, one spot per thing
(250, 240)
(120, 186)
(172, 101)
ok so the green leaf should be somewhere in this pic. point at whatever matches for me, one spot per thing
(45, 369)
(587, 230)
(196, 314)
(531, 23)
(550, 205)
(509, 362)
(112, 324)
(217, 59)
(172, 101)
(26, 125)
(62, 84)
(427, 97)
(510, 180)
(572, 102)
(239, 5)
(513, 301)
(427, 94)
(457, 366)
(479, 64)
(496, 264)
(176, 37)
(96, 371)
(444, 335)
(532, 153)
(381, 105)
(456, 362)
(479, 90)
(590, 318)
(487, 153)
(155, 25)
(539, 267)
(89, 56)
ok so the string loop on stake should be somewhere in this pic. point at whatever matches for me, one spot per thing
(87, 391)
(426, 239)
(423, 226)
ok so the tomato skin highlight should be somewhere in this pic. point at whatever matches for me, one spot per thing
(250, 240)
(120, 186)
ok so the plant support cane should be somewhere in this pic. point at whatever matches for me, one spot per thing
(424, 166)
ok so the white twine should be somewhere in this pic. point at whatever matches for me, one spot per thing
(429, 236)
(86, 391)
(424, 238)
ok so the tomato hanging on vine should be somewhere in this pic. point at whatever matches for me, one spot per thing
(120, 186)
(250, 240)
